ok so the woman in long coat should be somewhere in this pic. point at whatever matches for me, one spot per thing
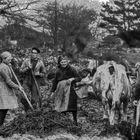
(66, 72)
(8, 99)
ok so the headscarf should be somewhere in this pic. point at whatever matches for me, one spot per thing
(5, 54)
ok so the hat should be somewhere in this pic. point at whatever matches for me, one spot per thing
(137, 65)
(5, 54)
(38, 51)
(61, 57)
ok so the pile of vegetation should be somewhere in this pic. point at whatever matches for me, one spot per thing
(39, 123)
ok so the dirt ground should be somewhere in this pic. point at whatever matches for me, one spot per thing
(92, 127)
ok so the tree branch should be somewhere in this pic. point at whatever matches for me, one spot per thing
(13, 8)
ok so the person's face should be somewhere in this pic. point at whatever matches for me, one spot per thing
(64, 63)
(8, 60)
(34, 54)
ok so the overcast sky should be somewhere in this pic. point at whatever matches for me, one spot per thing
(100, 0)
(103, 0)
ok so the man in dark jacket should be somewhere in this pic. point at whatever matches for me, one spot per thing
(34, 70)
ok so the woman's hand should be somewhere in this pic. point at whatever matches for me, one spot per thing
(20, 88)
(135, 102)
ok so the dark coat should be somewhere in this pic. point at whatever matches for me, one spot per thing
(65, 74)
(137, 86)
(38, 70)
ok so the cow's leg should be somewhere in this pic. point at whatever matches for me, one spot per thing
(119, 113)
(118, 110)
(104, 98)
(125, 104)
(104, 102)
(110, 106)
(105, 115)
(112, 115)
(115, 108)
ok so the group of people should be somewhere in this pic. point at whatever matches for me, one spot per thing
(63, 85)
(31, 67)
(34, 73)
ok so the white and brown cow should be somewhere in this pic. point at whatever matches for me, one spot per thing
(111, 83)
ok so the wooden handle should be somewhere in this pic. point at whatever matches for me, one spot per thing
(21, 90)
(37, 87)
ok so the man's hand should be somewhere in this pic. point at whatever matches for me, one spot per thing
(39, 74)
(30, 66)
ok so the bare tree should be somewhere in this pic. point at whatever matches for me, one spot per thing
(16, 12)
(14, 8)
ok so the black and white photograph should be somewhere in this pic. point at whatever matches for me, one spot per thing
(69, 69)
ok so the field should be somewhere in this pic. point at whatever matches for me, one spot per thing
(38, 124)
(46, 124)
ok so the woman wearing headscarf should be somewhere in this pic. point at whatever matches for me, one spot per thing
(8, 99)
(63, 86)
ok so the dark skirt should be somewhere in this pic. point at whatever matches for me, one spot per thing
(72, 105)
(137, 93)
